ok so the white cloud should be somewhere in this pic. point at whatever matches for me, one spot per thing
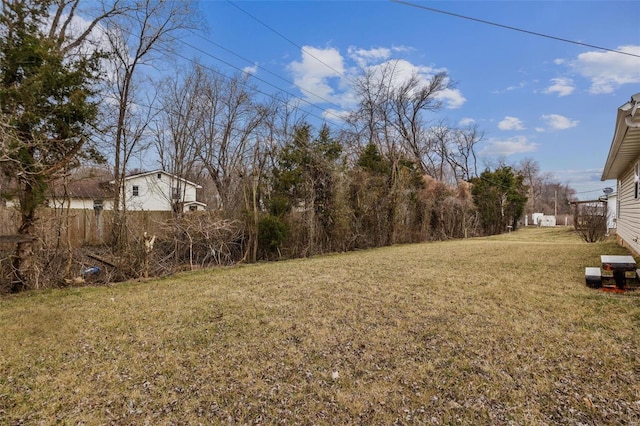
(402, 48)
(325, 73)
(563, 86)
(586, 182)
(252, 70)
(334, 114)
(403, 70)
(467, 122)
(510, 123)
(510, 146)
(315, 69)
(452, 98)
(365, 57)
(512, 88)
(609, 70)
(97, 41)
(559, 122)
(581, 174)
(518, 86)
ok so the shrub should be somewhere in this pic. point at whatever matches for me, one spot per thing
(271, 233)
(591, 223)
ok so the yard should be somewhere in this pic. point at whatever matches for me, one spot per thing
(481, 331)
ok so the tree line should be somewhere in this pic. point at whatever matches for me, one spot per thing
(387, 174)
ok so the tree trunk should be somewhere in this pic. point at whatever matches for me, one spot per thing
(254, 254)
(23, 274)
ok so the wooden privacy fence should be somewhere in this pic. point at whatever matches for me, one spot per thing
(80, 226)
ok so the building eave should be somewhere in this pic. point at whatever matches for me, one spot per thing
(625, 146)
(153, 172)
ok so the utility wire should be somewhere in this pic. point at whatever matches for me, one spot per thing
(204, 52)
(586, 192)
(271, 96)
(265, 69)
(508, 27)
(340, 73)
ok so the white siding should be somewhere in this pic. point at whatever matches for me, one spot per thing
(156, 194)
(628, 226)
(80, 203)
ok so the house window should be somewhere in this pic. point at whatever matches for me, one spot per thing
(159, 176)
(135, 190)
(193, 208)
(636, 180)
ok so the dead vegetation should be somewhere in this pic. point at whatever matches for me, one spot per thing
(187, 242)
(498, 330)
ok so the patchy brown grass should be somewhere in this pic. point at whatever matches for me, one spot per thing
(485, 331)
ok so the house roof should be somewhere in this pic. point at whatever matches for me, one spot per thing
(625, 146)
(153, 172)
(91, 187)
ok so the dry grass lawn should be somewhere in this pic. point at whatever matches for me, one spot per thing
(498, 330)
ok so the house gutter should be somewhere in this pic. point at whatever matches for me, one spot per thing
(625, 120)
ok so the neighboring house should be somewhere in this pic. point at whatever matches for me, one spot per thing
(152, 191)
(85, 193)
(160, 191)
(623, 164)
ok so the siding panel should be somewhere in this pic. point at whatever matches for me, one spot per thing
(629, 219)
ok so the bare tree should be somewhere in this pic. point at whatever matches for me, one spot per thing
(410, 100)
(65, 13)
(231, 118)
(136, 40)
(392, 116)
(175, 132)
(434, 151)
(461, 155)
(178, 125)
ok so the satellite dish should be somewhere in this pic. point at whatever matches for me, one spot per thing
(607, 190)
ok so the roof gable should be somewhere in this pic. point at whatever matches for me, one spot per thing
(154, 172)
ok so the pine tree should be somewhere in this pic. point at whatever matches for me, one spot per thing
(46, 109)
(500, 197)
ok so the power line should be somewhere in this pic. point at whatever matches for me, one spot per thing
(257, 78)
(273, 30)
(508, 27)
(264, 69)
(586, 192)
(271, 96)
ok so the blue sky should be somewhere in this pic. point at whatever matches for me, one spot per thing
(532, 96)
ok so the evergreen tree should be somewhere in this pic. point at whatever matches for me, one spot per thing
(304, 180)
(46, 107)
(369, 198)
(500, 197)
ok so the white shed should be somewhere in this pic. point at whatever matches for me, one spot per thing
(535, 217)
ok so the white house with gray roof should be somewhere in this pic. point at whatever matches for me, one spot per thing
(623, 164)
